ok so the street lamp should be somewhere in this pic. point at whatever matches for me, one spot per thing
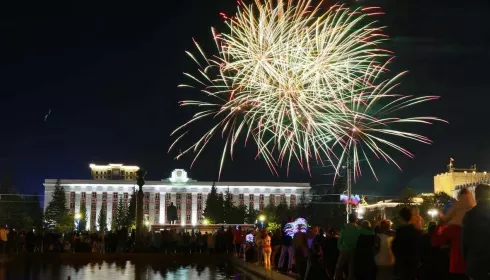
(433, 213)
(205, 222)
(78, 216)
(262, 220)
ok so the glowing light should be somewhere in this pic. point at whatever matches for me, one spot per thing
(116, 165)
(292, 228)
(262, 218)
(78, 216)
(205, 222)
(147, 223)
(304, 84)
(433, 212)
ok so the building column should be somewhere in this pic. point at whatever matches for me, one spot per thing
(109, 210)
(194, 209)
(98, 207)
(163, 210)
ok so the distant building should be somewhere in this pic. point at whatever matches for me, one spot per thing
(114, 182)
(113, 171)
(447, 182)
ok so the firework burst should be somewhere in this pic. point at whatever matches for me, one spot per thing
(303, 83)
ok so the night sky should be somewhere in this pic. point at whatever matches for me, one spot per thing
(111, 85)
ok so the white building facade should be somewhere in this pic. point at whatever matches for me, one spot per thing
(189, 196)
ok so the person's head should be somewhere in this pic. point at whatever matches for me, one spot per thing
(366, 224)
(352, 218)
(482, 192)
(415, 211)
(405, 214)
(384, 225)
(314, 230)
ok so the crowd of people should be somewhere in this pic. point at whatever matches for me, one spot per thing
(457, 247)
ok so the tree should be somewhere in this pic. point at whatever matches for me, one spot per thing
(251, 216)
(131, 211)
(227, 207)
(407, 196)
(83, 217)
(302, 207)
(66, 223)
(214, 207)
(102, 219)
(121, 218)
(237, 215)
(56, 210)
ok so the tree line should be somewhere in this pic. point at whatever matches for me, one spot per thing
(59, 217)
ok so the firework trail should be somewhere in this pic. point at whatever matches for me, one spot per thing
(303, 83)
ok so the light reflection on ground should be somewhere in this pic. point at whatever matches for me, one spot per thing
(120, 270)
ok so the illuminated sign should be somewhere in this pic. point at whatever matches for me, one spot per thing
(179, 176)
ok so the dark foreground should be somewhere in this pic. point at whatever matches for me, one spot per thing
(119, 267)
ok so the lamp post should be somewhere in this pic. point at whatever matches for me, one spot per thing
(140, 181)
(262, 220)
(78, 217)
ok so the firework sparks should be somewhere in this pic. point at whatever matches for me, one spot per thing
(300, 82)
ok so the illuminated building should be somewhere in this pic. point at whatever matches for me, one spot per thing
(454, 177)
(105, 189)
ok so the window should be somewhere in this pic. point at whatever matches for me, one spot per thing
(84, 194)
(104, 196)
(178, 218)
(272, 199)
(241, 196)
(187, 217)
(178, 206)
(189, 196)
(114, 196)
(178, 196)
(188, 206)
(167, 196)
(261, 206)
(97, 172)
(251, 205)
(251, 197)
(261, 198)
(126, 195)
(199, 217)
(145, 206)
(199, 206)
(157, 196)
(72, 206)
(199, 196)
(283, 198)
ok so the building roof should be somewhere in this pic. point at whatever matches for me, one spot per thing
(165, 182)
